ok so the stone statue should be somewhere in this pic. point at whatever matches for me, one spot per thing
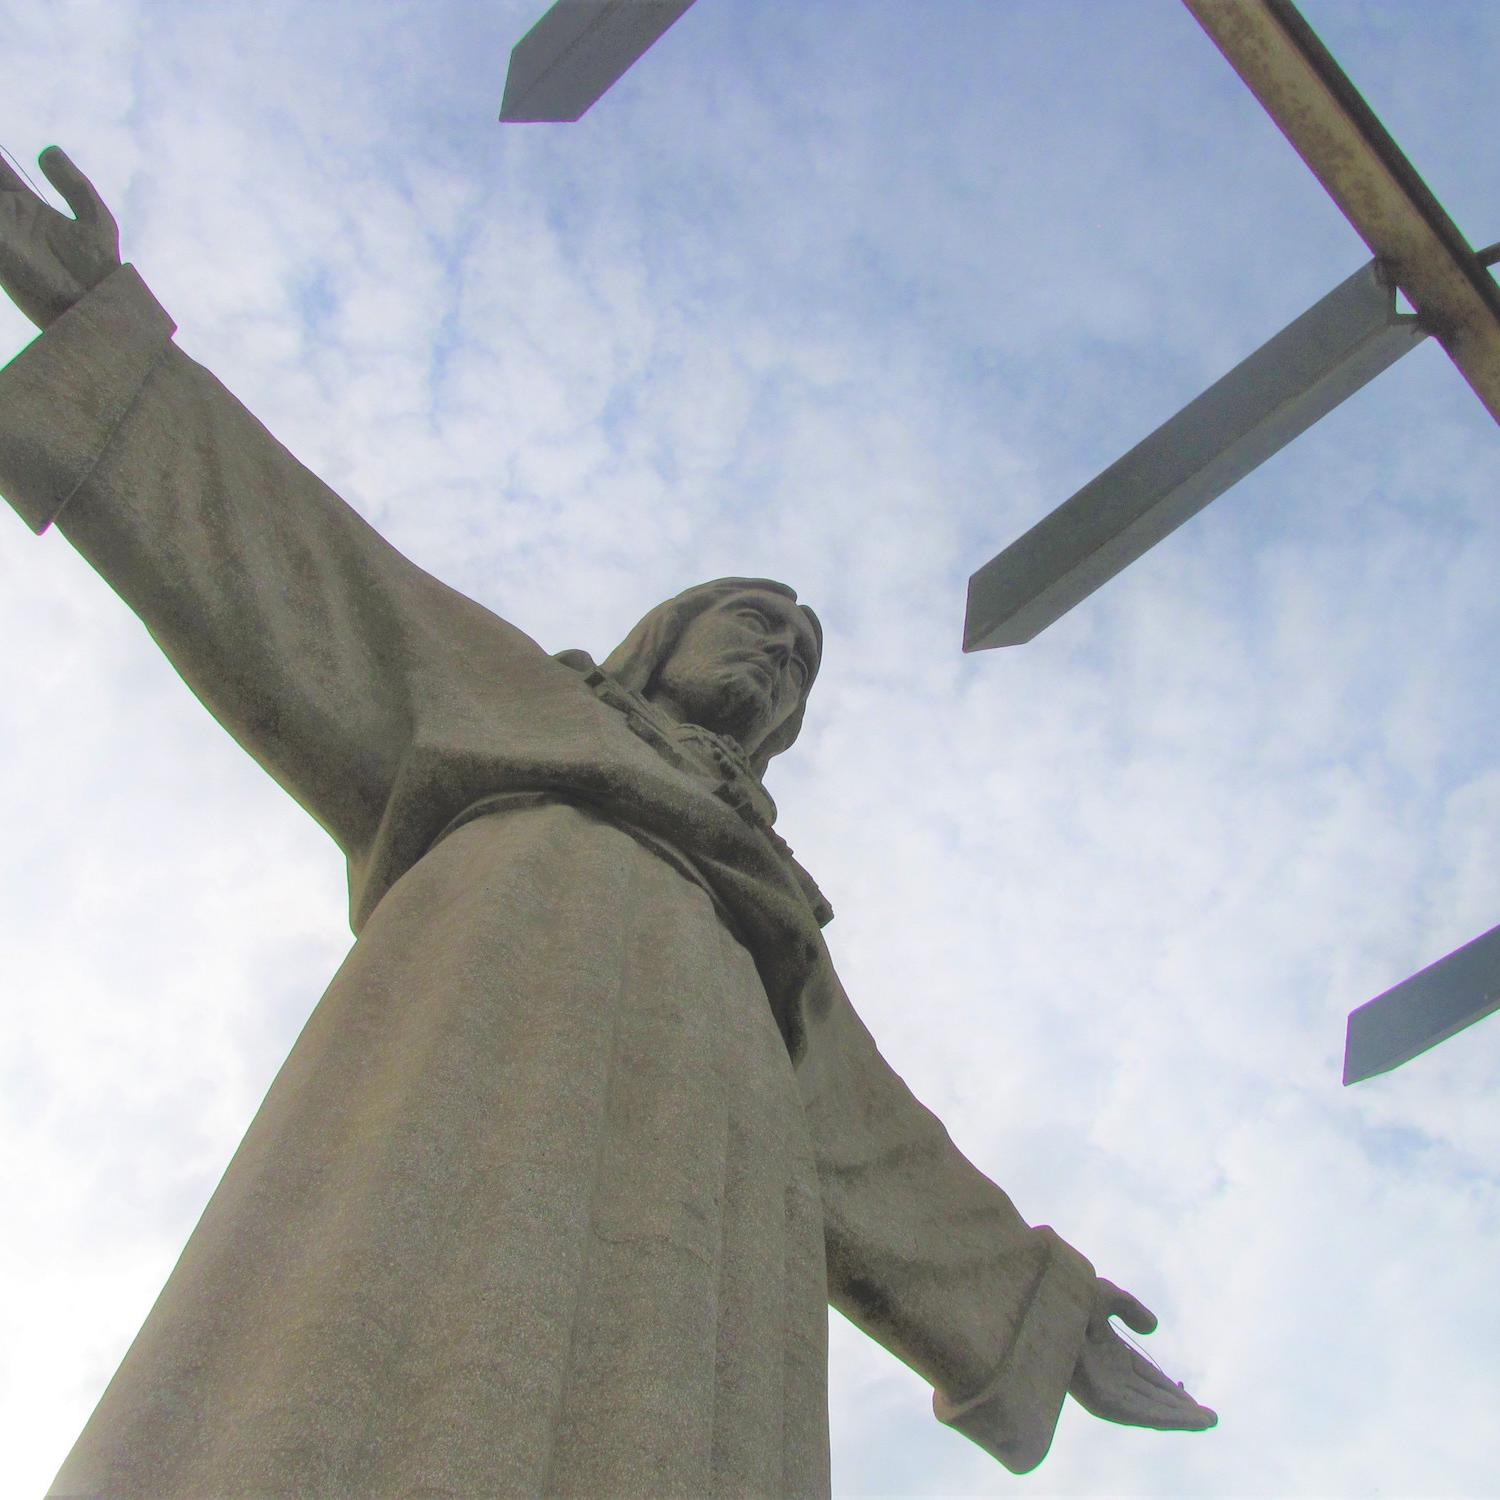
(553, 1190)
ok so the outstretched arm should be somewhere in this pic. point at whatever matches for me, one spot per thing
(306, 635)
(931, 1259)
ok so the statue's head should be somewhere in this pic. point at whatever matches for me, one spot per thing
(737, 656)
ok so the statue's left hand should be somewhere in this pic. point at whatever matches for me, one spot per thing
(1120, 1384)
(47, 260)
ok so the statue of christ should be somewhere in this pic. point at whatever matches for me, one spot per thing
(552, 1192)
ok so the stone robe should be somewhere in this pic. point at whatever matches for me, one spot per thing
(552, 1190)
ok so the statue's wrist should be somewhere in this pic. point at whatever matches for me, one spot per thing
(68, 299)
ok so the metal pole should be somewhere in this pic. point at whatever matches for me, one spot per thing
(1336, 133)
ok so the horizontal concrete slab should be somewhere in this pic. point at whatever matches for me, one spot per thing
(1424, 1010)
(576, 52)
(1313, 364)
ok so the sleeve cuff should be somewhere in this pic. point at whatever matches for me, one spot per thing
(65, 394)
(1014, 1415)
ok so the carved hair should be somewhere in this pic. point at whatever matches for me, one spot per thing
(637, 660)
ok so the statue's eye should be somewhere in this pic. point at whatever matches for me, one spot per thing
(755, 616)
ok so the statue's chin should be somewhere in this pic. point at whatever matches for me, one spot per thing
(734, 703)
(738, 711)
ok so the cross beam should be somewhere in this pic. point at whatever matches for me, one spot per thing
(1434, 1004)
(1260, 406)
(577, 51)
(1313, 364)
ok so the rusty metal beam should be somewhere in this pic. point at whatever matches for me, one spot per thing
(1336, 133)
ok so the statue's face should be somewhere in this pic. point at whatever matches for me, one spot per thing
(740, 667)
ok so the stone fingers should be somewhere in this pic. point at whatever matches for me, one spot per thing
(1160, 1402)
(11, 180)
(77, 191)
(1129, 1309)
(1145, 1370)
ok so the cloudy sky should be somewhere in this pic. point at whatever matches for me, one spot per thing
(847, 294)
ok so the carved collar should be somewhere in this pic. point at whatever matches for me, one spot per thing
(701, 753)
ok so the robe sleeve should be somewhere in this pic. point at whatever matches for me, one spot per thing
(931, 1259)
(298, 627)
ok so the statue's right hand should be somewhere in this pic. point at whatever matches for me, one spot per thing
(47, 260)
